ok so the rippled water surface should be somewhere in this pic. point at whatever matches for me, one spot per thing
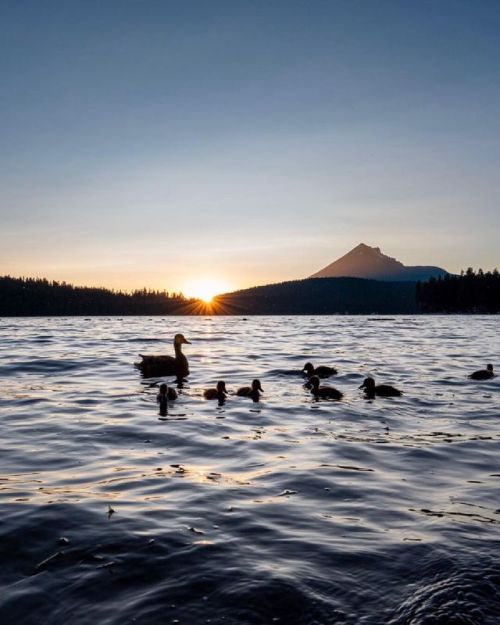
(284, 511)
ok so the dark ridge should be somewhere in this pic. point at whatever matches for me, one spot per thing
(322, 296)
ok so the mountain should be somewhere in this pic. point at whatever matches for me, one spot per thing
(368, 262)
(321, 296)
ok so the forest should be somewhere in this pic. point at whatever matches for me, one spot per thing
(37, 296)
(471, 292)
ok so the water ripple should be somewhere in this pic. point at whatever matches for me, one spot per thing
(288, 510)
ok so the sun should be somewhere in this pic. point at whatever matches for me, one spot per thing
(205, 288)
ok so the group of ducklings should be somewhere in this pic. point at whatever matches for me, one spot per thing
(313, 383)
(178, 365)
(167, 393)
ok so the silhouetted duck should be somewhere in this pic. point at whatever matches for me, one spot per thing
(483, 374)
(219, 392)
(177, 365)
(251, 391)
(323, 392)
(380, 390)
(166, 393)
(322, 371)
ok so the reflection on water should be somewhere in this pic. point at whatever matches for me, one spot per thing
(288, 510)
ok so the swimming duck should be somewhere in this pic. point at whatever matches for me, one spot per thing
(166, 393)
(251, 391)
(322, 371)
(219, 392)
(380, 390)
(177, 365)
(483, 374)
(323, 392)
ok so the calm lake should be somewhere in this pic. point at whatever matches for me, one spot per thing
(290, 510)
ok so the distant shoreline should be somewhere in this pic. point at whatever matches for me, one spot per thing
(470, 293)
(385, 316)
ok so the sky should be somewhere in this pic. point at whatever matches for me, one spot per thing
(160, 142)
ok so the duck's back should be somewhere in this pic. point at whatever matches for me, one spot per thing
(385, 390)
(157, 365)
(328, 392)
(324, 371)
(211, 393)
(483, 374)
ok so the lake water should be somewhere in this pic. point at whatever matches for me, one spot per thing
(288, 511)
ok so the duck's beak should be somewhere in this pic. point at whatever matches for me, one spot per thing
(186, 341)
(362, 386)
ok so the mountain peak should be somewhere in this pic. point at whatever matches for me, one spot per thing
(364, 261)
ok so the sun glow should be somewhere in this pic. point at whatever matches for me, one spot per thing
(205, 288)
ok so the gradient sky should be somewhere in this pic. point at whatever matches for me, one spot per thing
(146, 142)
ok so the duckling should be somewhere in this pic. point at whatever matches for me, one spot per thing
(219, 392)
(251, 391)
(177, 365)
(483, 374)
(323, 392)
(380, 390)
(166, 393)
(322, 371)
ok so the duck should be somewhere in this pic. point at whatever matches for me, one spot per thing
(251, 391)
(380, 390)
(322, 371)
(483, 374)
(166, 393)
(323, 392)
(219, 392)
(177, 365)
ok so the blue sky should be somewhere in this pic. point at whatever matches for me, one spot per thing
(148, 142)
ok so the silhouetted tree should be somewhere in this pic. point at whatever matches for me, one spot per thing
(38, 296)
(469, 292)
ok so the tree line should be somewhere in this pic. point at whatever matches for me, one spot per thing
(38, 296)
(470, 292)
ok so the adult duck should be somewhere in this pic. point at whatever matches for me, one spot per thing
(483, 374)
(177, 365)
(251, 391)
(322, 371)
(373, 390)
(219, 392)
(323, 392)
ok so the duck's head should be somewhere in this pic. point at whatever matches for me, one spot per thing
(163, 389)
(368, 383)
(314, 382)
(308, 368)
(490, 368)
(256, 386)
(221, 387)
(180, 339)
